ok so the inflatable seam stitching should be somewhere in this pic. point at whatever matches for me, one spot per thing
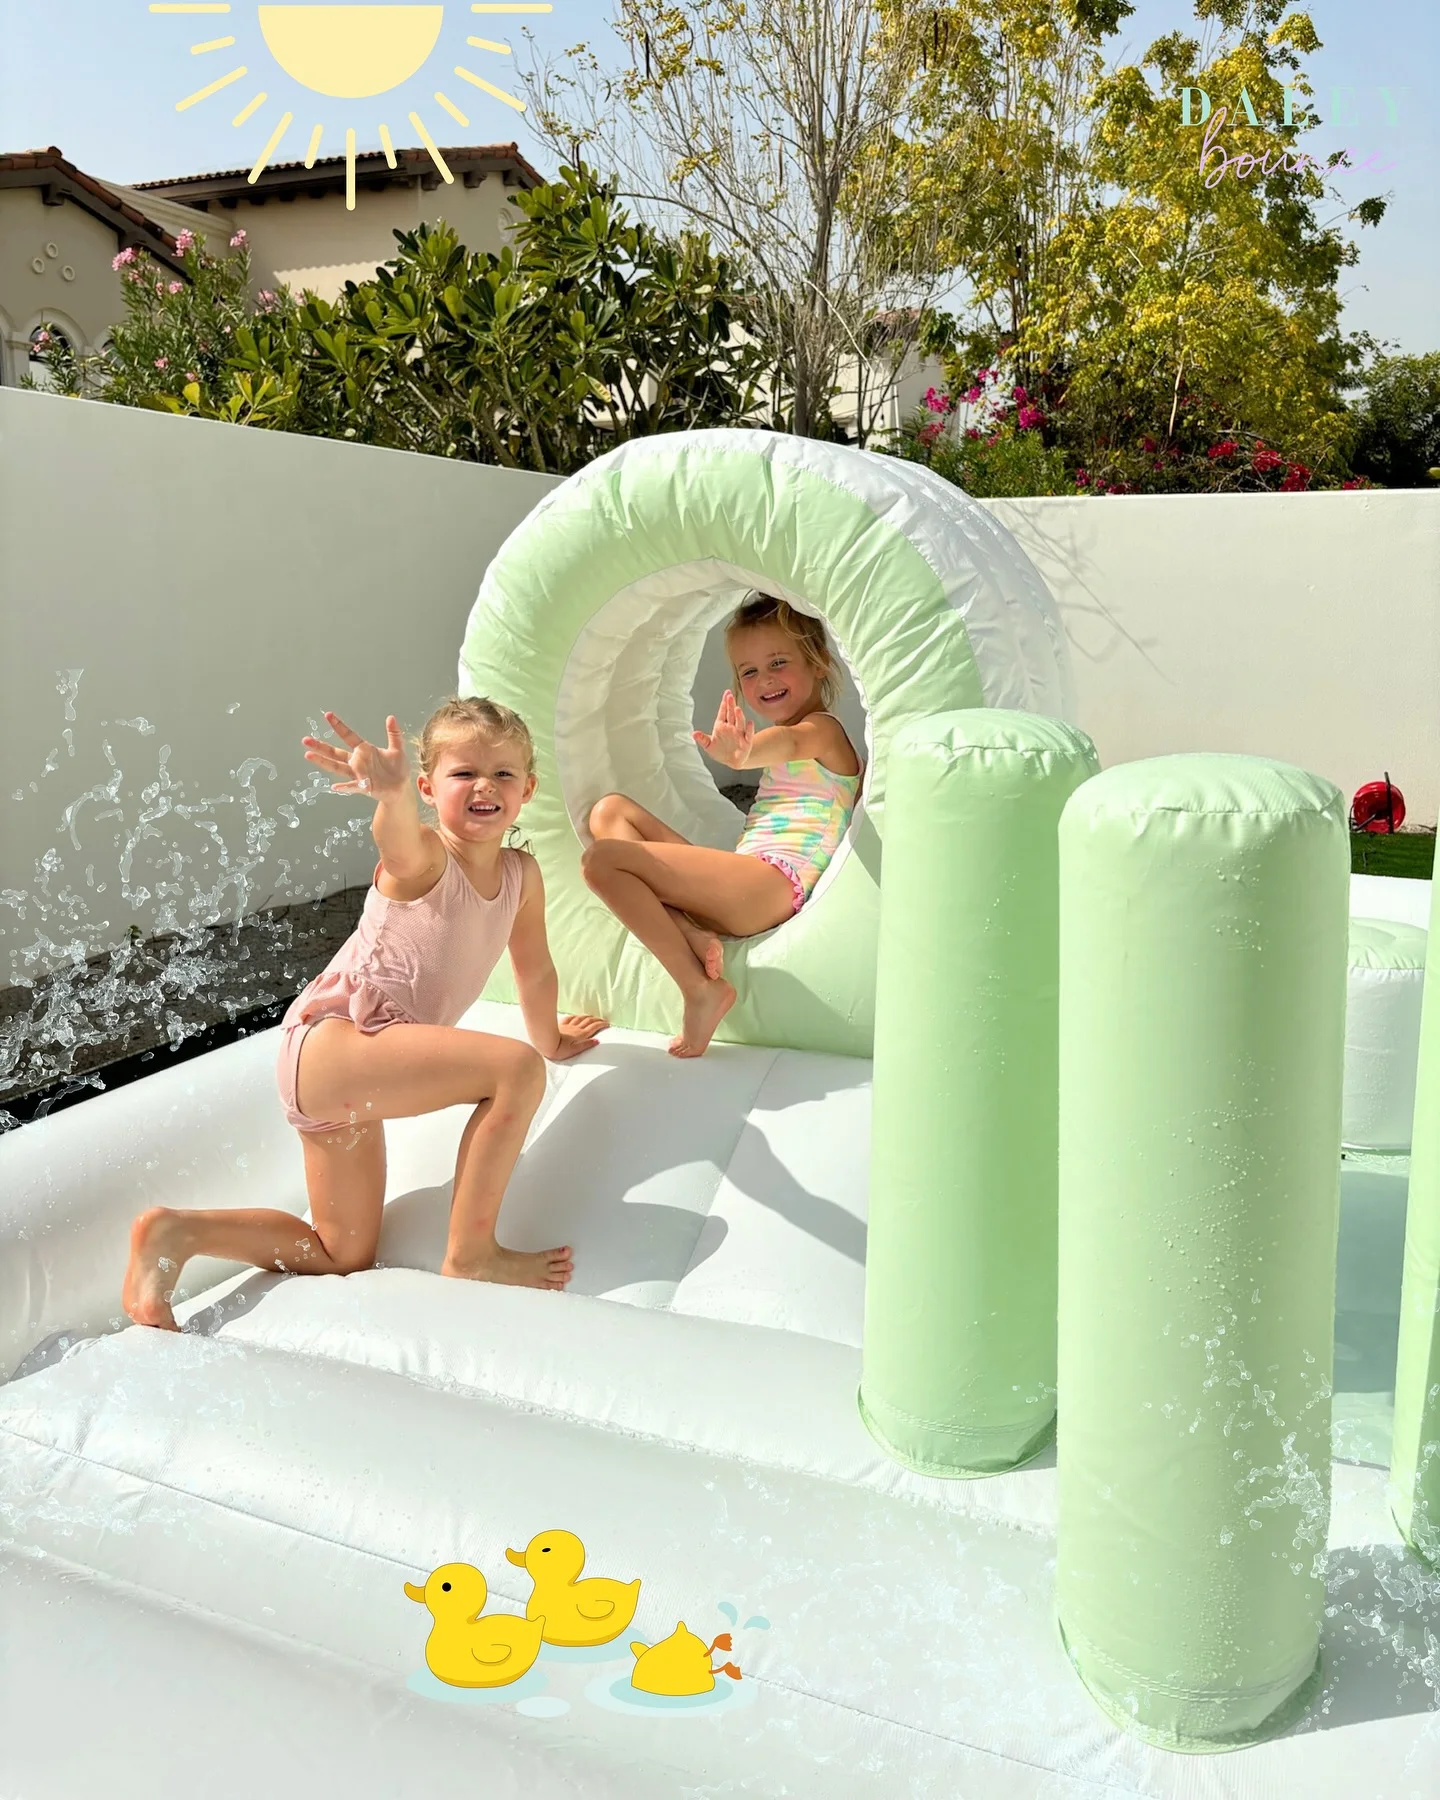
(1281, 1686)
(438, 1384)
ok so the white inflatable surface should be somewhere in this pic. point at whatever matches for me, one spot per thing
(204, 1537)
(1386, 985)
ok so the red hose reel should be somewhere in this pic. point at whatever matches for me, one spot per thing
(1377, 806)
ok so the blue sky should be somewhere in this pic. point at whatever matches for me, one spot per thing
(100, 78)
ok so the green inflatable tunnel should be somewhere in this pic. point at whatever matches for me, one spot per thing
(590, 623)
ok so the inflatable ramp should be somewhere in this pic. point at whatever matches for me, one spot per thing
(206, 1536)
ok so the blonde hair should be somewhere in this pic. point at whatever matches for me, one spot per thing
(807, 633)
(473, 717)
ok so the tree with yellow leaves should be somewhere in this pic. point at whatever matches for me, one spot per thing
(1153, 305)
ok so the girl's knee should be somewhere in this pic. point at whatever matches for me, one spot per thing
(522, 1072)
(608, 812)
(351, 1261)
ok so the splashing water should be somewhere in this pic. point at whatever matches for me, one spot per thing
(1381, 1607)
(229, 926)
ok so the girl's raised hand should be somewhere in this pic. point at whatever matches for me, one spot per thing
(730, 741)
(383, 774)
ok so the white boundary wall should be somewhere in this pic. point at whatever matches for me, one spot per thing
(189, 568)
(1299, 626)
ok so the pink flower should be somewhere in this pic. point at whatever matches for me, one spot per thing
(973, 394)
(972, 431)
(1082, 478)
(1350, 484)
(174, 287)
(1148, 444)
(127, 255)
(1029, 417)
(238, 241)
(185, 241)
(1265, 460)
(935, 401)
(267, 299)
(929, 433)
(162, 362)
(1021, 396)
(1225, 448)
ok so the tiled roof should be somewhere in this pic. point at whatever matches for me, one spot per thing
(369, 163)
(34, 167)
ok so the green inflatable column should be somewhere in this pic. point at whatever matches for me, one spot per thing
(958, 1372)
(1204, 906)
(1415, 1458)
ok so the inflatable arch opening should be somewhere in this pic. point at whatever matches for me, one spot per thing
(591, 622)
(645, 647)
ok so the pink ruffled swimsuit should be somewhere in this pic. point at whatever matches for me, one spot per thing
(408, 962)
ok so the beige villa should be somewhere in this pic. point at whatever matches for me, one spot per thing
(61, 228)
(303, 234)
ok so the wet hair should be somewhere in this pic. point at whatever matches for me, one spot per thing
(473, 717)
(807, 632)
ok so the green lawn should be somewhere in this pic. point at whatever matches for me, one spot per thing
(1409, 853)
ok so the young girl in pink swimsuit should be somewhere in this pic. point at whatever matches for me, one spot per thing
(677, 896)
(373, 1036)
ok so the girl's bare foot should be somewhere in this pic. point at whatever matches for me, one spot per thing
(709, 951)
(704, 1009)
(515, 1268)
(156, 1258)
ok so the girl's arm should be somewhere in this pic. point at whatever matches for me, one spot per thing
(536, 985)
(736, 743)
(410, 852)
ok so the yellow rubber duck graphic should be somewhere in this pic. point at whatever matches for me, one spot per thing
(679, 1664)
(463, 1649)
(575, 1613)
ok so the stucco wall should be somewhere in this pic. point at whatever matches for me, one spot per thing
(75, 286)
(320, 245)
(223, 586)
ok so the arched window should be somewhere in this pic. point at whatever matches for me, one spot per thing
(40, 339)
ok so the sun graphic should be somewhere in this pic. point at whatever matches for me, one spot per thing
(348, 53)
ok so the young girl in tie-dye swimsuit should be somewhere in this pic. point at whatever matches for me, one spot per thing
(676, 897)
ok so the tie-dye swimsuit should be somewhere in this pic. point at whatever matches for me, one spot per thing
(798, 818)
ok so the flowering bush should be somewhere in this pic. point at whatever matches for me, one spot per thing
(992, 440)
(1000, 450)
(180, 335)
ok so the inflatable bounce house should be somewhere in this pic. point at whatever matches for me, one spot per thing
(1036, 1109)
